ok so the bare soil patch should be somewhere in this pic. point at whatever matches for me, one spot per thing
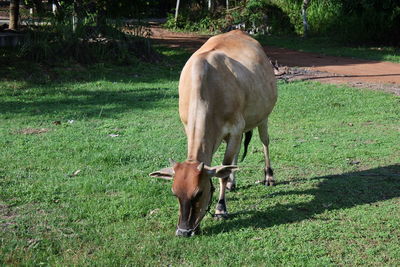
(6, 217)
(33, 131)
(296, 65)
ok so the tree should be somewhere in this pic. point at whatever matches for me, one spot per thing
(209, 5)
(38, 4)
(176, 11)
(14, 15)
(304, 15)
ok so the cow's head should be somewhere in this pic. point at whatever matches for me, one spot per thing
(193, 187)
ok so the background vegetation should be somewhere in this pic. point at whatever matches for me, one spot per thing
(353, 21)
(372, 21)
(87, 31)
(117, 31)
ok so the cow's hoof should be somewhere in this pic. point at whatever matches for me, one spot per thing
(269, 183)
(221, 216)
(197, 231)
(266, 182)
(230, 186)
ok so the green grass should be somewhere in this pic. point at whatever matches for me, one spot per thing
(328, 46)
(335, 152)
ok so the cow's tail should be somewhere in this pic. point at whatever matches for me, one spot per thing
(247, 138)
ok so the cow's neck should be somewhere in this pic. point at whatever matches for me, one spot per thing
(200, 132)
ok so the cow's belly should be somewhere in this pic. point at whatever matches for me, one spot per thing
(256, 111)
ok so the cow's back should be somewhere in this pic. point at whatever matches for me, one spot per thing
(233, 75)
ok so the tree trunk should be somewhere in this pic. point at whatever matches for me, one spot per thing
(38, 4)
(227, 5)
(176, 11)
(14, 15)
(74, 17)
(58, 6)
(54, 8)
(101, 18)
(304, 15)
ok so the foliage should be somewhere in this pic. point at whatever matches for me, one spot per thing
(56, 41)
(334, 151)
(204, 24)
(253, 13)
(194, 16)
(98, 33)
(109, 9)
(259, 13)
(370, 21)
(357, 21)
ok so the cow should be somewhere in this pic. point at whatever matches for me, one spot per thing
(226, 89)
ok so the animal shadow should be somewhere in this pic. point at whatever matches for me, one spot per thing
(341, 191)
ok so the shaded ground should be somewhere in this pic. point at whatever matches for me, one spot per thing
(295, 65)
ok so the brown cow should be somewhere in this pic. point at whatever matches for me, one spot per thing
(226, 88)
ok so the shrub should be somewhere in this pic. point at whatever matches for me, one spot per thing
(195, 22)
(376, 21)
(116, 42)
(256, 13)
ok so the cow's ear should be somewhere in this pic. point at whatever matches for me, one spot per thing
(166, 173)
(172, 162)
(222, 171)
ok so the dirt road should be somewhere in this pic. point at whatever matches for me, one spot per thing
(295, 65)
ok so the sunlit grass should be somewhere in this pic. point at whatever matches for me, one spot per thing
(335, 152)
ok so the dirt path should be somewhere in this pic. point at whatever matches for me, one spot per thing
(295, 65)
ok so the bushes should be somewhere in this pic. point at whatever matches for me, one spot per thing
(252, 13)
(373, 21)
(196, 18)
(259, 13)
(57, 42)
(373, 24)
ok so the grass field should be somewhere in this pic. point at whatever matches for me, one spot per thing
(330, 47)
(77, 145)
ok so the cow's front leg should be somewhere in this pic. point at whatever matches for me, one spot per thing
(268, 173)
(232, 149)
(231, 184)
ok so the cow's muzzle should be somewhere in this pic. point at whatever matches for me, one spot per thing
(185, 232)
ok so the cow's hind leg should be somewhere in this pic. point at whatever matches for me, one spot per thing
(232, 149)
(263, 131)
